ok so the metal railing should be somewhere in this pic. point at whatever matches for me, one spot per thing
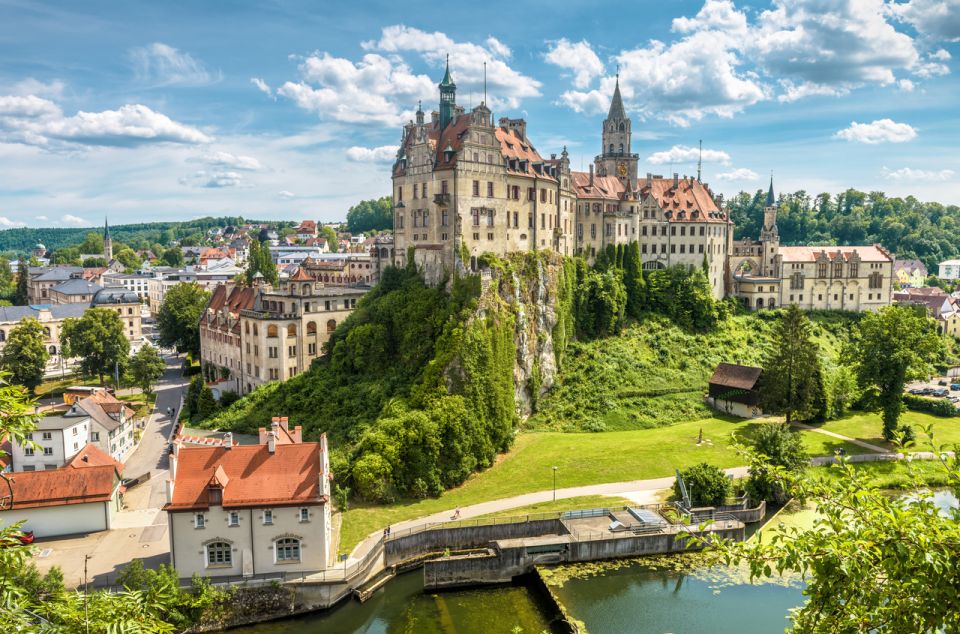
(468, 523)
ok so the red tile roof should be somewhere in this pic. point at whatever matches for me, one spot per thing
(33, 489)
(606, 187)
(93, 456)
(254, 476)
(300, 276)
(688, 197)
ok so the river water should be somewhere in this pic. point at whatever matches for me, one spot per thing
(612, 599)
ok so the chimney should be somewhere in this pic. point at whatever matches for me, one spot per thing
(169, 491)
(649, 179)
(591, 175)
(676, 180)
(228, 440)
(272, 442)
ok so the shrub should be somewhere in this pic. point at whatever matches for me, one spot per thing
(937, 407)
(706, 484)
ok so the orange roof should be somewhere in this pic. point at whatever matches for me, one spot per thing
(689, 201)
(33, 489)
(93, 456)
(608, 187)
(300, 276)
(810, 254)
(252, 476)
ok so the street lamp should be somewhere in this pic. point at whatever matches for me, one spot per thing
(554, 484)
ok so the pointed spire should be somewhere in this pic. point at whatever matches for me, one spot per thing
(106, 229)
(616, 104)
(447, 80)
(771, 200)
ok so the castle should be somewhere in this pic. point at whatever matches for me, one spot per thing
(464, 186)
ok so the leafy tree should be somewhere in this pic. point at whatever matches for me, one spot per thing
(892, 346)
(601, 302)
(779, 447)
(21, 296)
(842, 389)
(871, 562)
(790, 383)
(633, 280)
(98, 340)
(146, 366)
(193, 395)
(706, 484)
(179, 317)
(66, 255)
(7, 283)
(92, 243)
(683, 295)
(328, 232)
(260, 261)
(207, 406)
(95, 262)
(127, 257)
(25, 355)
(370, 215)
(173, 257)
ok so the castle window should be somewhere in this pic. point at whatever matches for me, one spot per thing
(444, 218)
(476, 188)
(489, 189)
(400, 193)
(876, 280)
(219, 554)
(838, 269)
(489, 217)
(476, 217)
(621, 148)
(796, 281)
(854, 269)
(516, 220)
(611, 148)
(822, 269)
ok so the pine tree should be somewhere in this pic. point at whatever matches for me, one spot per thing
(20, 296)
(790, 384)
(206, 404)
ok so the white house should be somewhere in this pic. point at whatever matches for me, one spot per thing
(57, 439)
(111, 423)
(949, 270)
(82, 496)
(250, 509)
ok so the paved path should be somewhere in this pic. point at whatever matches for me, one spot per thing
(853, 441)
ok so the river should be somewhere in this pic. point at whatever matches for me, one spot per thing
(611, 599)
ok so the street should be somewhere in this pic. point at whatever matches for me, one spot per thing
(140, 529)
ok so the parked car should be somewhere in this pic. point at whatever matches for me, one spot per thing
(941, 392)
(927, 391)
(942, 382)
(955, 387)
(916, 391)
(954, 399)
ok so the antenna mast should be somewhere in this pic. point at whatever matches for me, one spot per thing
(484, 83)
(700, 160)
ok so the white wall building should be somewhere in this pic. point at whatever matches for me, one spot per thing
(56, 440)
(949, 270)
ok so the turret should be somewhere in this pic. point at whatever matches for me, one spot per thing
(769, 230)
(107, 242)
(448, 98)
(616, 158)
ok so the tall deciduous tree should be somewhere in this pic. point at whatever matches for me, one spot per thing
(25, 355)
(20, 295)
(892, 346)
(97, 339)
(173, 257)
(371, 215)
(330, 234)
(790, 383)
(260, 261)
(146, 366)
(633, 280)
(179, 317)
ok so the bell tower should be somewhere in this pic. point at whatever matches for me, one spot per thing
(615, 157)
(448, 98)
(769, 236)
(107, 242)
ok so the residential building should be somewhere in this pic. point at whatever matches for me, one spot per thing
(138, 283)
(73, 291)
(54, 442)
(910, 273)
(51, 317)
(220, 333)
(83, 496)
(940, 306)
(949, 270)
(246, 510)
(127, 305)
(306, 230)
(111, 423)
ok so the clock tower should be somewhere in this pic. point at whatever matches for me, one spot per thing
(615, 157)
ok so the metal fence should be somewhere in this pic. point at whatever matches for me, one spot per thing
(492, 521)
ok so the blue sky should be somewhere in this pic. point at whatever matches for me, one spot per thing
(172, 110)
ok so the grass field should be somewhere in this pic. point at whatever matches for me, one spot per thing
(868, 428)
(568, 504)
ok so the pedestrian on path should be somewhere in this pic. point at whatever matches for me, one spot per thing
(456, 514)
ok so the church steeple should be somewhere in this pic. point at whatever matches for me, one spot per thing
(107, 242)
(769, 231)
(448, 97)
(616, 158)
(771, 200)
(616, 104)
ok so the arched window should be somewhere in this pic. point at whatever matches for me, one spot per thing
(621, 148)
(291, 330)
(288, 549)
(311, 328)
(53, 350)
(246, 327)
(759, 302)
(219, 554)
(255, 333)
(272, 330)
(306, 289)
(383, 252)
(3, 336)
(611, 148)
(771, 303)
(623, 126)
(331, 325)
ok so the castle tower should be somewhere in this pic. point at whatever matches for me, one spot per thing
(769, 236)
(448, 98)
(107, 242)
(615, 158)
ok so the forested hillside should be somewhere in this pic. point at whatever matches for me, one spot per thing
(909, 228)
(141, 235)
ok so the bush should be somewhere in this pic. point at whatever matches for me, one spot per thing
(937, 407)
(782, 448)
(706, 484)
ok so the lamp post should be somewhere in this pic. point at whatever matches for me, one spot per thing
(86, 595)
(554, 484)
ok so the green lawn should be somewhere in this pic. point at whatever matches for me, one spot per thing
(580, 458)
(868, 427)
(568, 504)
(892, 475)
(56, 387)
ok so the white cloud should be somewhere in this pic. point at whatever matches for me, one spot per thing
(286, 195)
(795, 92)
(906, 174)
(225, 160)
(31, 120)
(213, 180)
(719, 15)
(384, 153)
(906, 85)
(879, 131)
(938, 19)
(162, 65)
(578, 58)
(685, 154)
(73, 220)
(739, 174)
(11, 224)
(263, 87)
(41, 217)
(31, 86)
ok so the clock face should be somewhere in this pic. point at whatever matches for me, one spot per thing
(622, 169)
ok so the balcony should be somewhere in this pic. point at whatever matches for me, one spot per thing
(441, 199)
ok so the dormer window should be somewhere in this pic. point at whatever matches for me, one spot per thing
(215, 495)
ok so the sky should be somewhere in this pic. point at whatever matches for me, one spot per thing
(282, 109)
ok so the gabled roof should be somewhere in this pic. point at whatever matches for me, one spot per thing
(115, 295)
(254, 476)
(59, 273)
(93, 456)
(810, 254)
(742, 377)
(682, 201)
(99, 407)
(606, 187)
(76, 287)
(67, 485)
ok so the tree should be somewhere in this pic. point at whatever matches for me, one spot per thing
(98, 339)
(93, 243)
(370, 215)
(328, 232)
(66, 255)
(95, 262)
(706, 484)
(25, 355)
(633, 280)
(193, 395)
(871, 562)
(127, 258)
(789, 384)
(206, 405)
(173, 257)
(146, 366)
(179, 317)
(21, 296)
(892, 346)
(260, 261)
(7, 284)
(601, 302)
(780, 447)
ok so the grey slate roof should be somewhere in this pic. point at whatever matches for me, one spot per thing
(115, 295)
(77, 287)
(49, 423)
(58, 311)
(61, 273)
